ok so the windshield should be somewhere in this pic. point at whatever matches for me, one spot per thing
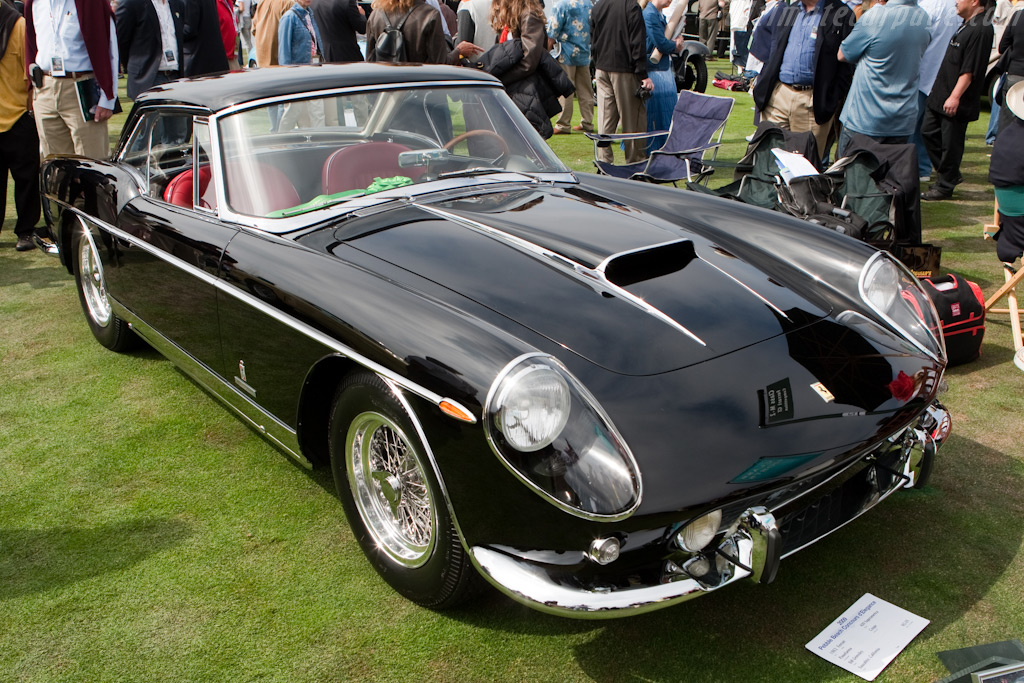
(285, 159)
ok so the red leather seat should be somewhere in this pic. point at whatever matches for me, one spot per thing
(354, 167)
(256, 189)
(179, 190)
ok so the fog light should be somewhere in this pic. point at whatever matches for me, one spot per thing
(698, 567)
(604, 550)
(701, 531)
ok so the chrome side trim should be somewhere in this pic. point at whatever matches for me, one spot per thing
(263, 307)
(593, 278)
(278, 433)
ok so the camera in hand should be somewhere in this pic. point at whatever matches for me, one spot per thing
(643, 93)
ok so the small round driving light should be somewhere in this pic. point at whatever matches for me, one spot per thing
(604, 550)
(701, 531)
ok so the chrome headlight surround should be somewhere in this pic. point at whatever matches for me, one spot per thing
(577, 461)
(895, 296)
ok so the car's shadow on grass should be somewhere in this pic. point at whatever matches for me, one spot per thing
(48, 559)
(935, 552)
(31, 268)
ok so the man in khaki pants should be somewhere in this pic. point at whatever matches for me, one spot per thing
(619, 48)
(74, 45)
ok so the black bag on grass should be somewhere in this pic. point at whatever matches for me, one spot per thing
(961, 308)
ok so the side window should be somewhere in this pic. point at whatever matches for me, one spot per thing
(161, 149)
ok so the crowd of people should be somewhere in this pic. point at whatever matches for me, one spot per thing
(891, 70)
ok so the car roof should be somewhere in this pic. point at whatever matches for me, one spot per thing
(237, 87)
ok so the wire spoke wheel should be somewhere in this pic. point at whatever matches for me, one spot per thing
(94, 288)
(389, 488)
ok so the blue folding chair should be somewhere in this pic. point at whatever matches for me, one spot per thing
(698, 122)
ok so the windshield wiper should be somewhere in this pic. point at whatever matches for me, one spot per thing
(466, 172)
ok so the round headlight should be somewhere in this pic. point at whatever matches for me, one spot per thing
(532, 407)
(897, 298)
(882, 284)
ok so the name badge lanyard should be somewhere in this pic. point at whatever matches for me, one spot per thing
(57, 61)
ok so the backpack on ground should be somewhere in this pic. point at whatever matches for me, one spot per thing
(390, 45)
(961, 308)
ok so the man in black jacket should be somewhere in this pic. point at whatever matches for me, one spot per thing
(204, 48)
(955, 99)
(339, 22)
(149, 42)
(619, 51)
(803, 83)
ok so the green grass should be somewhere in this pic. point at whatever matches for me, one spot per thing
(147, 535)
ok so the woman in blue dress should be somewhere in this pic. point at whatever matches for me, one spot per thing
(659, 70)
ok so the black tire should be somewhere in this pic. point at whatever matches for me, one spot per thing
(398, 514)
(693, 75)
(110, 330)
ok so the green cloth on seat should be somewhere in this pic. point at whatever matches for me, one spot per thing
(321, 200)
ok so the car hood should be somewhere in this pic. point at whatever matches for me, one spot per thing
(625, 289)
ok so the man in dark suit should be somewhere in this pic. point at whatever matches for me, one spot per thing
(339, 21)
(803, 83)
(204, 48)
(149, 42)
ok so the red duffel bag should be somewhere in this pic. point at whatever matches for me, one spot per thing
(961, 307)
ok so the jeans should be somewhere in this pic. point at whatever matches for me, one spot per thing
(924, 164)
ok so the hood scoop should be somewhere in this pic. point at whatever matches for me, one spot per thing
(660, 260)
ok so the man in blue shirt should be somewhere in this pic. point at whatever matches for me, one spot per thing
(886, 45)
(569, 28)
(298, 42)
(803, 84)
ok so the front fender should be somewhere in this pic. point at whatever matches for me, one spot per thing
(693, 49)
(98, 189)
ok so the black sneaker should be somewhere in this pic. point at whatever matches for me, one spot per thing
(24, 244)
(935, 194)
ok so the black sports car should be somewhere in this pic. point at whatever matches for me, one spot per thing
(602, 396)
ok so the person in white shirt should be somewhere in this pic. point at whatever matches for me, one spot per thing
(74, 44)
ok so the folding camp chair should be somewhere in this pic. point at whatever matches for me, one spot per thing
(698, 122)
(755, 178)
(1008, 291)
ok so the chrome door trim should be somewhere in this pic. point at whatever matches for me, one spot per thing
(302, 328)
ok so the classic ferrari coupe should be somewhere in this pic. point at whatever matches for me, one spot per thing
(603, 397)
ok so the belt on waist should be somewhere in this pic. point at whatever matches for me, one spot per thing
(71, 74)
(798, 87)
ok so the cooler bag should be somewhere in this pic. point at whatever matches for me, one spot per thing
(961, 308)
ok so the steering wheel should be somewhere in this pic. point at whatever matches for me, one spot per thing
(450, 145)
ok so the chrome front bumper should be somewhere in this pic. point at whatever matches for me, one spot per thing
(757, 547)
(752, 547)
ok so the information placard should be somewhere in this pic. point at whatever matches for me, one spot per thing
(867, 636)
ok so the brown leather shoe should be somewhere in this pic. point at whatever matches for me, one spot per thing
(559, 131)
(577, 127)
(24, 244)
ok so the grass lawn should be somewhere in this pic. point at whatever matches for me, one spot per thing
(147, 535)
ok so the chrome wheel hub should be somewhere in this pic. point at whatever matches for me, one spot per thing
(94, 287)
(390, 490)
